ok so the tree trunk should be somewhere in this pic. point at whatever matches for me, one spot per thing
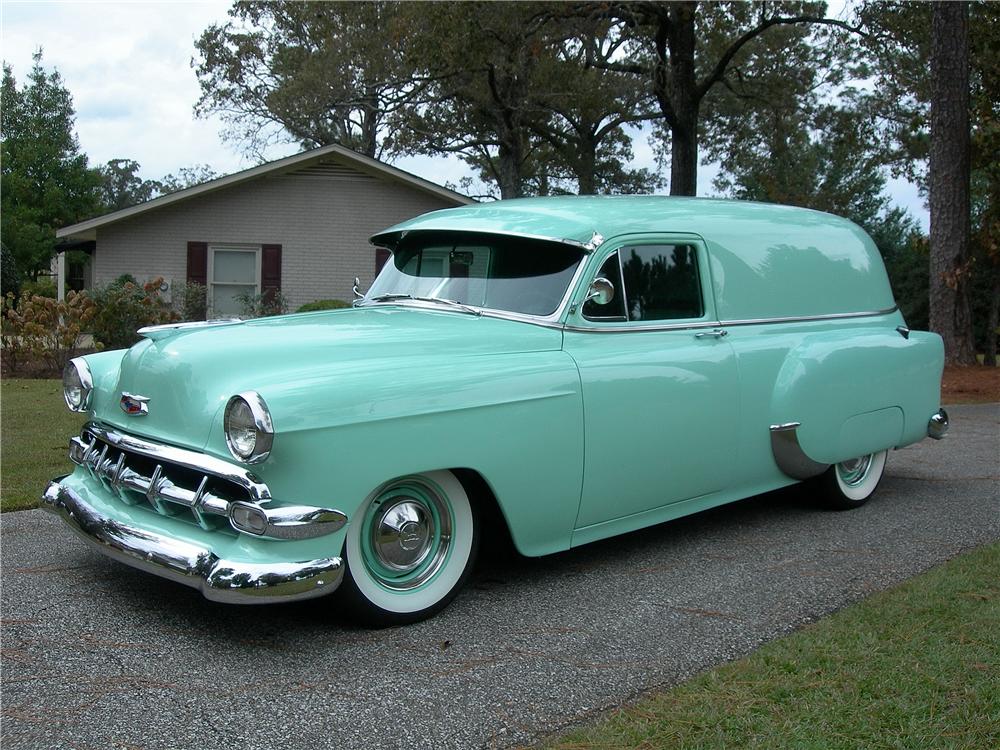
(684, 157)
(993, 321)
(682, 90)
(950, 315)
(510, 158)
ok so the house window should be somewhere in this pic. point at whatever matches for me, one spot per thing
(232, 271)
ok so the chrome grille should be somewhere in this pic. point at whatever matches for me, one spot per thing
(141, 473)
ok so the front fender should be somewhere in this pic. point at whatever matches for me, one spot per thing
(517, 419)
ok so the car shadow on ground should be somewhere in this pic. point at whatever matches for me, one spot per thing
(501, 572)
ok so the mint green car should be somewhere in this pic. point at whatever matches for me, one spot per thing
(573, 368)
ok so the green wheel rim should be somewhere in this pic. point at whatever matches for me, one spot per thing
(406, 535)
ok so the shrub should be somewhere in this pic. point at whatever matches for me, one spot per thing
(323, 304)
(44, 287)
(45, 328)
(123, 307)
(271, 302)
(10, 278)
(191, 301)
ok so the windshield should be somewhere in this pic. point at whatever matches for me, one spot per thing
(480, 270)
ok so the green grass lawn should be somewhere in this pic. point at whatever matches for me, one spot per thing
(36, 427)
(917, 666)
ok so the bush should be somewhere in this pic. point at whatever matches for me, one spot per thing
(44, 328)
(10, 278)
(271, 302)
(44, 287)
(191, 301)
(123, 307)
(323, 304)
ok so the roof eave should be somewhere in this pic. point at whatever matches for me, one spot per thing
(87, 229)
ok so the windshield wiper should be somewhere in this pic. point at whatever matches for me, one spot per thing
(440, 300)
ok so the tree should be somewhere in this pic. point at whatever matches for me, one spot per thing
(186, 177)
(683, 50)
(899, 43)
(948, 177)
(46, 182)
(123, 187)
(315, 73)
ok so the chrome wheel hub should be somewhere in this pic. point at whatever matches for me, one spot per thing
(855, 471)
(402, 533)
(407, 535)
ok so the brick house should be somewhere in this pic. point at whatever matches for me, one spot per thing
(299, 224)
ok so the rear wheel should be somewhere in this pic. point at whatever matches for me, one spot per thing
(409, 549)
(850, 484)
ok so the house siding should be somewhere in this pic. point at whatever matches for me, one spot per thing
(321, 218)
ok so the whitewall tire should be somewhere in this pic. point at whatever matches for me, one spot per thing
(409, 549)
(850, 484)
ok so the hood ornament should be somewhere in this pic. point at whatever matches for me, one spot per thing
(134, 406)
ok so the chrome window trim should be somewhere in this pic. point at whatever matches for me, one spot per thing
(548, 321)
(726, 323)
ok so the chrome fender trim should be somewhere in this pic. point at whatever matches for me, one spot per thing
(788, 454)
(190, 564)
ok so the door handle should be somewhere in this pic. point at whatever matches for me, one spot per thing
(715, 333)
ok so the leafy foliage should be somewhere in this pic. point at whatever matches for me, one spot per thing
(123, 307)
(191, 301)
(10, 279)
(271, 302)
(44, 328)
(44, 178)
(323, 304)
(123, 187)
(316, 73)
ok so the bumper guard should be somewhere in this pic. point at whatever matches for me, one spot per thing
(191, 564)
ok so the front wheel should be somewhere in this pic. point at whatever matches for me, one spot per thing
(850, 484)
(409, 549)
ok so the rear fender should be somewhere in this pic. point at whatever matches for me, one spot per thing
(858, 391)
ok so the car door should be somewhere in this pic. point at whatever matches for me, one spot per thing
(659, 379)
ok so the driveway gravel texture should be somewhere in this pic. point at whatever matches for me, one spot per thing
(97, 655)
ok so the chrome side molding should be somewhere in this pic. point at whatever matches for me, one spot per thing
(788, 454)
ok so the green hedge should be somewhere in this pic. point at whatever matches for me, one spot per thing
(323, 304)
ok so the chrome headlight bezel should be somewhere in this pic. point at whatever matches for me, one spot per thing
(263, 428)
(77, 375)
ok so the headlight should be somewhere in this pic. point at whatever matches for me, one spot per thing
(77, 384)
(249, 432)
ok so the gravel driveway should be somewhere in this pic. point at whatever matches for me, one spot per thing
(96, 655)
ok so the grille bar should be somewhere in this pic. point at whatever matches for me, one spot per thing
(166, 496)
(176, 482)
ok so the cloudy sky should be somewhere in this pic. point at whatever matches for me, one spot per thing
(128, 67)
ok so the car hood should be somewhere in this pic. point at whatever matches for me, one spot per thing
(190, 375)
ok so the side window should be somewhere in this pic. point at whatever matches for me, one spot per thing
(661, 282)
(615, 309)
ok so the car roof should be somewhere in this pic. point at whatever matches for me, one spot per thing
(586, 220)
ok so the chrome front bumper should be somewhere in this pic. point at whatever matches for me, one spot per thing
(191, 564)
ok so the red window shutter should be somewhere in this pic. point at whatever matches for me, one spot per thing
(197, 263)
(381, 258)
(270, 270)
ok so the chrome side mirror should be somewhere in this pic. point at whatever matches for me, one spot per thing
(358, 294)
(601, 291)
